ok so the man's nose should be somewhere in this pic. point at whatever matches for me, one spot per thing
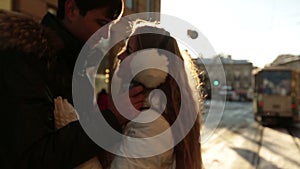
(105, 34)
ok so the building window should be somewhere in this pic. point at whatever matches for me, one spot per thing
(129, 4)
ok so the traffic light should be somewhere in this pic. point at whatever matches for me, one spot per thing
(216, 83)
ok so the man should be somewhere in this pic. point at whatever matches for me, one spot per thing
(75, 23)
(31, 140)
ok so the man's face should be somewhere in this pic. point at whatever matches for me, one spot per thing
(85, 26)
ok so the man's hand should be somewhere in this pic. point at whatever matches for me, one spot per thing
(137, 97)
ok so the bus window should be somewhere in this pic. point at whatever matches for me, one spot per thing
(277, 82)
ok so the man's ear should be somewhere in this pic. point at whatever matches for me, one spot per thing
(71, 10)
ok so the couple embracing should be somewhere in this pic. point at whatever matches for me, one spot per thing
(42, 132)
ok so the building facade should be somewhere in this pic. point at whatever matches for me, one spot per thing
(6, 4)
(290, 61)
(137, 6)
(38, 8)
(35, 8)
(238, 74)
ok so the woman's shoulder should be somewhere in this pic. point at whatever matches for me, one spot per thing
(21, 32)
(149, 143)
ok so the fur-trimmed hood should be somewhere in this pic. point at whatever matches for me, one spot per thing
(20, 32)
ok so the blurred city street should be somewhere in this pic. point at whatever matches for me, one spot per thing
(240, 142)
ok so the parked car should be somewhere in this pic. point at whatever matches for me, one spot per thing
(250, 94)
(228, 92)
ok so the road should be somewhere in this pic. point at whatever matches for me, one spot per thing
(241, 143)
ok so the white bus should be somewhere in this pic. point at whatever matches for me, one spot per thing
(276, 95)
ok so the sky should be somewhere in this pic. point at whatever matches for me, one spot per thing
(253, 30)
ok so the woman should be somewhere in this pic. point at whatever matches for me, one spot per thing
(179, 90)
(187, 152)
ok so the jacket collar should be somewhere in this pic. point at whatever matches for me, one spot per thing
(65, 43)
(55, 24)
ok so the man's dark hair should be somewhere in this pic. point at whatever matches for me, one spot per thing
(115, 7)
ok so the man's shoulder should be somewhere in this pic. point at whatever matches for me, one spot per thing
(59, 36)
(49, 20)
(54, 31)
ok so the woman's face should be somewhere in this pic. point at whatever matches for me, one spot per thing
(131, 48)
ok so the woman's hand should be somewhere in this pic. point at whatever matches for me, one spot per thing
(64, 112)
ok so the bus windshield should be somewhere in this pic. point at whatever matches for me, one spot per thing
(276, 82)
